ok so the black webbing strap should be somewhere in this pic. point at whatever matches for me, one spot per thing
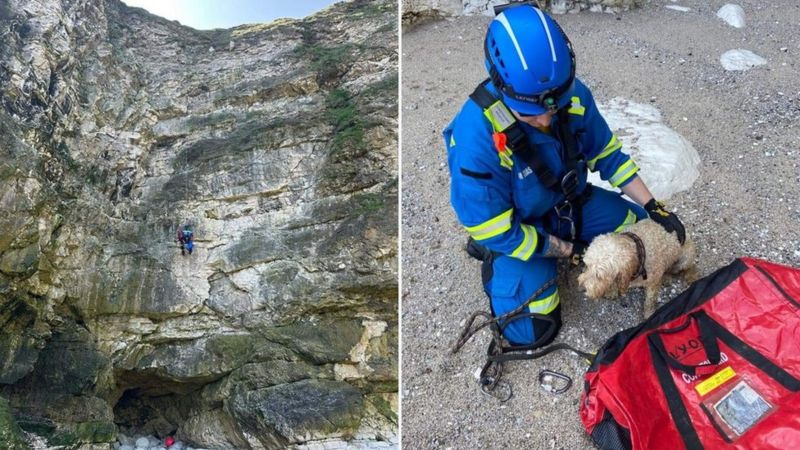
(713, 421)
(569, 183)
(517, 140)
(777, 286)
(497, 353)
(752, 355)
(707, 339)
(710, 331)
(505, 356)
(674, 401)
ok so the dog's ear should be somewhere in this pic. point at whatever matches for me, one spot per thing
(627, 266)
(623, 281)
(595, 280)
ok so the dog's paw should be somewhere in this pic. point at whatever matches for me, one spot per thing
(691, 274)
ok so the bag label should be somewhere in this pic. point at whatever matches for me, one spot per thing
(741, 408)
(715, 381)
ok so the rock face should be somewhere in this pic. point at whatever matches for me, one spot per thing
(278, 144)
(417, 10)
(10, 433)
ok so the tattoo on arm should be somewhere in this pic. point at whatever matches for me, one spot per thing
(558, 248)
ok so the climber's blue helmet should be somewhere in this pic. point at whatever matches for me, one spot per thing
(530, 60)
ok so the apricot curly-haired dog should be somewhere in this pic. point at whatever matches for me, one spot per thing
(614, 262)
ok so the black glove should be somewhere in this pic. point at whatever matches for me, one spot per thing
(578, 249)
(666, 219)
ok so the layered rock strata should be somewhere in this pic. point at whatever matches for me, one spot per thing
(278, 144)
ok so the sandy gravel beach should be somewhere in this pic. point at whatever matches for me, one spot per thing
(744, 125)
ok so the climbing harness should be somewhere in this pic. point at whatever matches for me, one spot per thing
(510, 138)
(497, 353)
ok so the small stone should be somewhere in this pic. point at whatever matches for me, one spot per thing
(143, 442)
(678, 8)
(784, 49)
(733, 15)
(740, 59)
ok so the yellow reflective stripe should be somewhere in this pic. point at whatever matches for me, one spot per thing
(613, 145)
(505, 158)
(452, 141)
(492, 227)
(576, 107)
(499, 116)
(624, 172)
(529, 240)
(630, 219)
(545, 305)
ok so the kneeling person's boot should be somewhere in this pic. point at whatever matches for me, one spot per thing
(477, 251)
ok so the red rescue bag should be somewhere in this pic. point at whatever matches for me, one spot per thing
(718, 367)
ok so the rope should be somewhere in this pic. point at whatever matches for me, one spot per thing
(497, 354)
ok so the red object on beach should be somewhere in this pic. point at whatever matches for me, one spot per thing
(716, 368)
(169, 441)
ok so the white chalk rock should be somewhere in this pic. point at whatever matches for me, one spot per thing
(740, 59)
(668, 163)
(733, 14)
(678, 8)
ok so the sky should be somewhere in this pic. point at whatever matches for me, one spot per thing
(208, 14)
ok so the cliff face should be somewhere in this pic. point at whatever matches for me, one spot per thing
(278, 144)
(416, 11)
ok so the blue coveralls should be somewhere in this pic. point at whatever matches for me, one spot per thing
(505, 208)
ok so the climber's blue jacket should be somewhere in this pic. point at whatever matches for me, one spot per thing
(499, 199)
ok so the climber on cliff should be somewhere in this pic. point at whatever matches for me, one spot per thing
(185, 239)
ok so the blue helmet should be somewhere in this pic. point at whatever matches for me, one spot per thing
(530, 60)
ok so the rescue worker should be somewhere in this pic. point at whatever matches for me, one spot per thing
(518, 154)
(185, 238)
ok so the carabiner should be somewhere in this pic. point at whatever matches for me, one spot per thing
(546, 378)
(501, 391)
